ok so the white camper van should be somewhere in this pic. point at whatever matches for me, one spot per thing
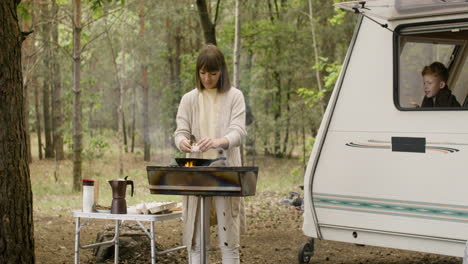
(386, 170)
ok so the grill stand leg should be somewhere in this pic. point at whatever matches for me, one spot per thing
(153, 244)
(77, 241)
(202, 230)
(116, 242)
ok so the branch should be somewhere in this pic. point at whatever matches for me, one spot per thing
(24, 34)
(93, 39)
(97, 19)
(216, 14)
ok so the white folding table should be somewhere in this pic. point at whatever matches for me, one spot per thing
(118, 220)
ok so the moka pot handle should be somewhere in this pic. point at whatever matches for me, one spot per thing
(131, 183)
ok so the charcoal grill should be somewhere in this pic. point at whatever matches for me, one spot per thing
(202, 181)
(199, 180)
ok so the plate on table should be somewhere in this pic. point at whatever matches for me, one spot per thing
(103, 209)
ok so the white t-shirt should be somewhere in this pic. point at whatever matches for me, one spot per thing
(208, 105)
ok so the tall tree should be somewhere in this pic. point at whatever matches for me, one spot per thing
(236, 59)
(236, 64)
(16, 212)
(47, 80)
(316, 55)
(209, 28)
(38, 118)
(77, 112)
(57, 112)
(28, 50)
(34, 82)
(277, 78)
(145, 85)
(120, 92)
(123, 85)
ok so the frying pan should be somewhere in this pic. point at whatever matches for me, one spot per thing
(197, 162)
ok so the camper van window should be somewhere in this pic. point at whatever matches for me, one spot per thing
(424, 58)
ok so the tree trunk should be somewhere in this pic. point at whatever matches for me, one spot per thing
(27, 64)
(38, 119)
(277, 99)
(57, 121)
(133, 117)
(119, 119)
(177, 84)
(124, 127)
(236, 61)
(35, 85)
(288, 118)
(123, 82)
(277, 114)
(250, 141)
(304, 162)
(144, 77)
(236, 56)
(46, 32)
(316, 56)
(77, 115)
(209, 28)
(16, 211)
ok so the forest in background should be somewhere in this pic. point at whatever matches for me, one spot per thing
(96, 70)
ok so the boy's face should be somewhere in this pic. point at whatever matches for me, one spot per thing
(432, 85)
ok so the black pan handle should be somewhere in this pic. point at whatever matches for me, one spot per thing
(213, 161)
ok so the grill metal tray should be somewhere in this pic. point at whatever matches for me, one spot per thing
(206, 181)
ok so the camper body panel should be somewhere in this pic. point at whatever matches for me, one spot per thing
(390, 240)
(359, 181)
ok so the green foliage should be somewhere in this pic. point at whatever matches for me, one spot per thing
(95, 148)
(276, 73)
(332, 72)
(338, 17)
(296, 172)
(24, 11)
(68, 141)
(311, 97)
(98, 4)
(310, 141)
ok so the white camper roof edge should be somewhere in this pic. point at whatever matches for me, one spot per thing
(315, 155)
(405, 9)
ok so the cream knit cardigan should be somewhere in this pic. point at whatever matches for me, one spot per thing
(231, 125)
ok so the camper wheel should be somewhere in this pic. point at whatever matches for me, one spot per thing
(306, 251)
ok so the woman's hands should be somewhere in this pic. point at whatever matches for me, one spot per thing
(205, 144)
(212, 143)
(185, 146)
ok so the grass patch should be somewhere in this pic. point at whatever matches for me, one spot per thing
(52, 182)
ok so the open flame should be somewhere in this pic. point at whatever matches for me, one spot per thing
(189, 164)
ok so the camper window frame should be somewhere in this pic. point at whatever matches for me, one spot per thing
(425, 27)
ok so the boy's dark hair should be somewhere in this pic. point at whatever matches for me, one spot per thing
(438, 69)
(212, 59)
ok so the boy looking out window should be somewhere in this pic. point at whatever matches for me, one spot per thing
(437, 93)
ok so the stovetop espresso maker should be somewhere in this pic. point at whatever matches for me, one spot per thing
(119, 188)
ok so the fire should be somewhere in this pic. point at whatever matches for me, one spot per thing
(189, 164)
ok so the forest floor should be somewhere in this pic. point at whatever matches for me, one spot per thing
(274, 232)
(274, 236)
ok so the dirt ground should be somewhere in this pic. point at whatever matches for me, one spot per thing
(274, 236)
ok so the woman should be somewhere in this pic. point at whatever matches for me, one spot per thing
(214, 113)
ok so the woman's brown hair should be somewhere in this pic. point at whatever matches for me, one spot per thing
(211, 59)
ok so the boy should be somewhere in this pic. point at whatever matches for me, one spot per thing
(436, 91)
